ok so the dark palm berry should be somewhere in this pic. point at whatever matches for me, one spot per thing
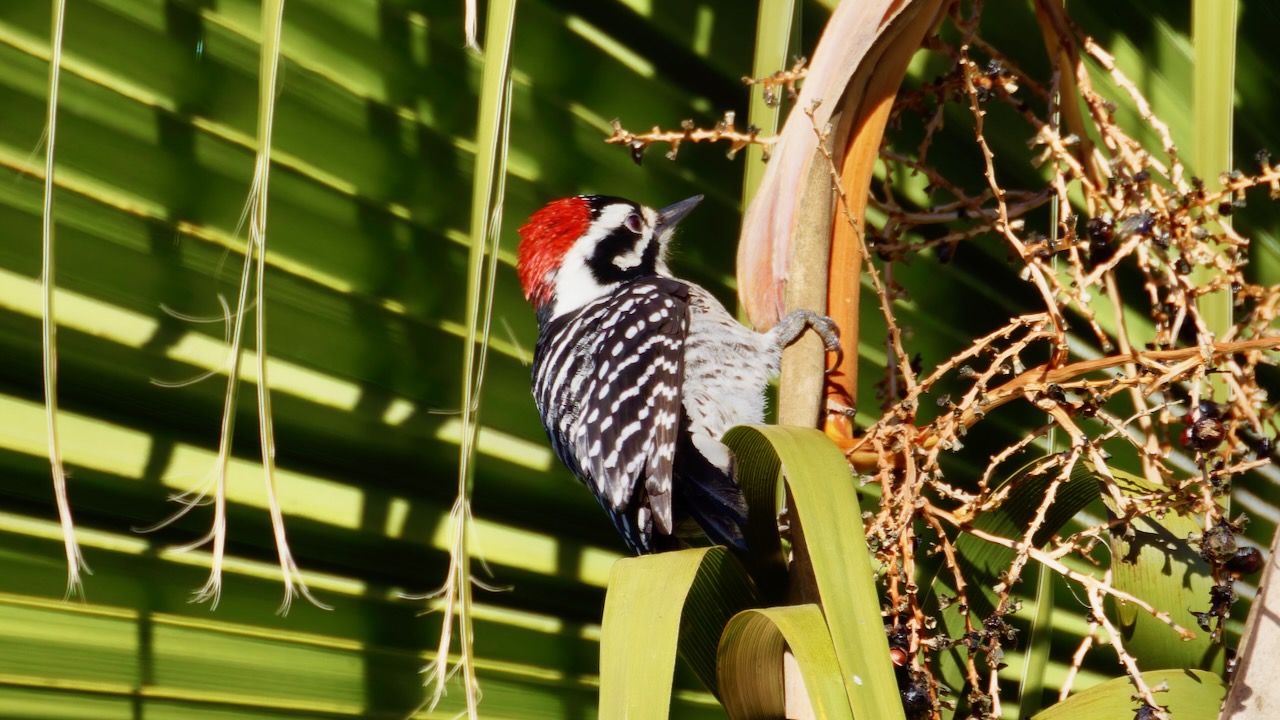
(915, 700)
(900, 637)
(1221, 598)
(1099, 229)
(1057, 394)
(1246, 562)
(1140, 224)
(915, 696)
(1204, 434)
(1218, 544)
(1209, 408)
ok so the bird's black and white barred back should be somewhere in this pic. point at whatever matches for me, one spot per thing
(637, 375)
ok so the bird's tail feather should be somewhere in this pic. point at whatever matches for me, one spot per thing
(715, 503)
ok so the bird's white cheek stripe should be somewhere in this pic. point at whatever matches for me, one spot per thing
(632, 258)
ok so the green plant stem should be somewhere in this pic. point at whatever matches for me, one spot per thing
(776, 25)
(1213, 30)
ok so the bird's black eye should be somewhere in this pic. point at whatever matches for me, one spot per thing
(633, 223)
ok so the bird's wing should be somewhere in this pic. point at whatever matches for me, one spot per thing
(611, 405)
(629, 411)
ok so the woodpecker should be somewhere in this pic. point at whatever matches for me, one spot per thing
(637, 374)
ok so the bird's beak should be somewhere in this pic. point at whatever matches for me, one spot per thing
(671, 215)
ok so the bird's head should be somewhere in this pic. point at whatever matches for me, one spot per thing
(576, 250)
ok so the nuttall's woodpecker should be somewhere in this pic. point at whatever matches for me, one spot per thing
(637, 375)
